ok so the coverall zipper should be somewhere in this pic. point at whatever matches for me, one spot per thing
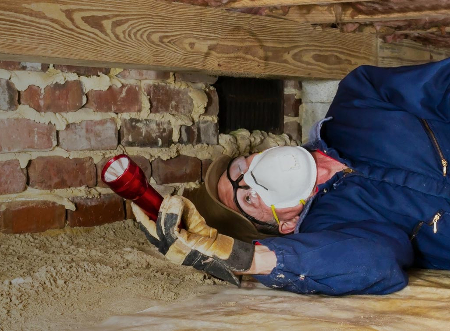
(436, 146)
(433, 223)
(346, 171)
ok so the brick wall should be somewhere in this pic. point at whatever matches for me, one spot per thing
(292, 102)
(60, 124)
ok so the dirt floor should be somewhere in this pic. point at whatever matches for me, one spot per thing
(75, 278)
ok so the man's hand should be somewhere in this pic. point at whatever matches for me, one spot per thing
(184, 238)
(263, 263)
(146, 224)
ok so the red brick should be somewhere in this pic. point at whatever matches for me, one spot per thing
(13, 179)
(96, 211)
(13, 65)
(212, 107)
(181, 169)
(291, 105)
(31, 216)
(205, 166)
(169, 99)
(82, 71)
(124, 99)
(146, 133)
(10, 65)
(293, 130)
(208, 132)
(9, 95)
(204, 132)
(56, 172)
(292, 84)
(188, 135)
(89, 135)
(141, 161)
(31, 66)
(144, 74)
(19, 134)
(57, 98)
(195, 77)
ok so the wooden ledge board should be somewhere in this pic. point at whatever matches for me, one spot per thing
(159, 35)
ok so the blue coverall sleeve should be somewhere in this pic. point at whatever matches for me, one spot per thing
(423, 90)
(355, 258)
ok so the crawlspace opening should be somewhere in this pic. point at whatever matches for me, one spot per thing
(251, 103)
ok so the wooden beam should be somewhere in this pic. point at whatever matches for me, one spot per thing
(172, 36)
(407, 52)
(436, 30)
(276, 3)
(346, 14)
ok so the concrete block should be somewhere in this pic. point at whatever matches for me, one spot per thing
(312, 112)
(319, 91)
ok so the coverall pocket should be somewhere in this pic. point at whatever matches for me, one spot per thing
(432, 242)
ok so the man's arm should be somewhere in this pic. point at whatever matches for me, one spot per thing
(364, 257)
(264, 260)
(358, 258)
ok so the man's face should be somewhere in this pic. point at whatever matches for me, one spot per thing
(250, 202)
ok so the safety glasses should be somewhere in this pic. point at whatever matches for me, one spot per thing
(236, 169)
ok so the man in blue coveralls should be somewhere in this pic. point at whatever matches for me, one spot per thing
(348, 213)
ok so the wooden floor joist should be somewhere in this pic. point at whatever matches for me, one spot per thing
(345, 14)
(407, 52)
(276, 3)
(172, 36)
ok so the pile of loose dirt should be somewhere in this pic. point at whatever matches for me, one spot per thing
(73, 278)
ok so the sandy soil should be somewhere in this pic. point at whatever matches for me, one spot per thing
(75, 278)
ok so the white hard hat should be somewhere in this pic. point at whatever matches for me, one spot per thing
(282, 176)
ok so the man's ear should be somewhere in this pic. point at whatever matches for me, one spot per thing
(287, 227)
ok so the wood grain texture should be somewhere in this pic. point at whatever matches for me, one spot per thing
(275, 3)
(172, 36)
(407, 52)
(342, 13)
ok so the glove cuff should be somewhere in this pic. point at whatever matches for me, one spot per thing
(241, 256)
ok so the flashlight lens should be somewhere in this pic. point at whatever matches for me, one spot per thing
(116, 169)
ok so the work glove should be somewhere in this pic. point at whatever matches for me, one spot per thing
(183, 236)
(146, 225)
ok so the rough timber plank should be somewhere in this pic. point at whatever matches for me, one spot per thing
(173, 36)
(407, 52)
(274, 3)
(341, 13)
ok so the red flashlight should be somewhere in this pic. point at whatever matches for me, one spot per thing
(126, 179)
